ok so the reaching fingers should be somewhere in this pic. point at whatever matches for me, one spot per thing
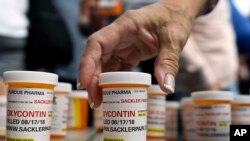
(166, 65)
(95, 97)
(99, 50)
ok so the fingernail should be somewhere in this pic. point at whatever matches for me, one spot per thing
(78, 85)
(169, 82)
(91, 103)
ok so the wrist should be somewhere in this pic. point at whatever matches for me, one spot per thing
(190, 8)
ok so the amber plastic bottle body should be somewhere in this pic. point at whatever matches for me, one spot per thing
(63, 108)
(136, 111)
(116, 10)
(78, 114)
(223, 117)
(35, 86)
(157, 114)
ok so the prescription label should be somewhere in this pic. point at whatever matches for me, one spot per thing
(171, 123)
(213, 122)
(19, 139)
(114, 139)
(241, 115)
(188, 123)
(29, 114)
(125, 114)
(156, 116)
(60, 115)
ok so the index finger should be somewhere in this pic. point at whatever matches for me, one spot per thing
(91, 63)
(100, 48)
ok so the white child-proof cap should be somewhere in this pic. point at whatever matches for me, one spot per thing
(66, 87)
(243, 99)
(155, 89)
(212, 95)
(79, 94)
(172, 104)
(124, 78)
(186, 100)
(30, 77)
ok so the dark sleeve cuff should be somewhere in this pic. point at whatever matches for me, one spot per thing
(210, 6)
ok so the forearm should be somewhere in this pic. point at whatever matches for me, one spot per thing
(191, 8)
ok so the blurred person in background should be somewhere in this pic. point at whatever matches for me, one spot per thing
(70, 12)
(55, 43)
(13, 34)
(55, 37)
(240, 10)
(209, 60)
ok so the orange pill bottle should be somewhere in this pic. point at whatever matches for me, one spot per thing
(78, 111)
(60, 110)
(110, 7)
(171, 124)
(187, 117)
(212, 115)
(29, 104)
(241, 110)
(124, 105)
(156, 113)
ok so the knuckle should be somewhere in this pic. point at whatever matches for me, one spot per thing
(177, 34)
(130, 14)
(170, 62)
(92, 37)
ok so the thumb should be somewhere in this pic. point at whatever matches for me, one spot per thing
(167, 61)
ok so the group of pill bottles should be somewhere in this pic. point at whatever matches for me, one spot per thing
(207, 116)
(133, 110)
(125, 109)
(38, 107)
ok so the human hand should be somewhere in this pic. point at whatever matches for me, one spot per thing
(158, 30)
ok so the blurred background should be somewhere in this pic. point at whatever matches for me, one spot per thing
(50, 35)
